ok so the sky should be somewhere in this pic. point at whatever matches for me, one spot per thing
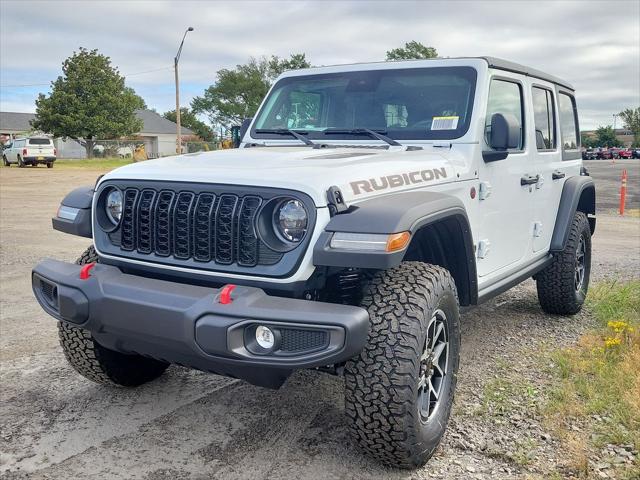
(595, 45)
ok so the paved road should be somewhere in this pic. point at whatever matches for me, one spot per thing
(192, 425)
(607, 175)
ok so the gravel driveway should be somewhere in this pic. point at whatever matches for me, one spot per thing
(192, 425)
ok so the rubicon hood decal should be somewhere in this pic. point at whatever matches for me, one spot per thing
(398, 180)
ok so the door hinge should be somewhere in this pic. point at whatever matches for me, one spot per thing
(537, 229)
(540, 182)
(483, 248)
(484, 190)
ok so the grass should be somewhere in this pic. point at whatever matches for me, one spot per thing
(92, 163)
(595, 402)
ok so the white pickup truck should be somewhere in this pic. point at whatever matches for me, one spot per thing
(365, 206)
(29, 151)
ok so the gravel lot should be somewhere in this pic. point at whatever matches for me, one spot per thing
(192, 425)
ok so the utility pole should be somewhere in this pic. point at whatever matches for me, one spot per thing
(175, 65)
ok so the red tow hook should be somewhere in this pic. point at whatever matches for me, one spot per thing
(84, 271)
(225, 294)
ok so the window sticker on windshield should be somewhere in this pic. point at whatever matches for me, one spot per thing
(444, 123)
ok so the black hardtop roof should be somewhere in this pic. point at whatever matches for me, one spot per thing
(508, 66)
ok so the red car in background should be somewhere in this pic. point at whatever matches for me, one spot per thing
(605, 154)
(624, 153)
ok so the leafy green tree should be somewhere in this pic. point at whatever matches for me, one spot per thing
(237, 93)
(412, 51)
(188, 119)
(88, 101)
(588, 141)
(631, 119)
(606, 137)
(294, 62)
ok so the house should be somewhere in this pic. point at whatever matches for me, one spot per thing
(158, 134)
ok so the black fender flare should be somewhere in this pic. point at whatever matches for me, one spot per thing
(80, 198)
(395, 213)
(578, 194)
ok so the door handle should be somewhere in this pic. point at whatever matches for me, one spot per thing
(529, 180)
(557, 175)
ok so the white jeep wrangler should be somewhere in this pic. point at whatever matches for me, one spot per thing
(367, 204)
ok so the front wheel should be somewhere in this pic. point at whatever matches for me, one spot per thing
(98, 363)
(399, 390)
(5, 161)
(562, 286)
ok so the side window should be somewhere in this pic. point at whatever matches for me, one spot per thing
(544, 119)
(568, 122)
(505, 97)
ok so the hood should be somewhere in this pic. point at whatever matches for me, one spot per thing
(358, 172)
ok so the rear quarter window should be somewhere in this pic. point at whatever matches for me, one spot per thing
(39, 141)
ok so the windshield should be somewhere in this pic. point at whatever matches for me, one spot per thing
(404, 104)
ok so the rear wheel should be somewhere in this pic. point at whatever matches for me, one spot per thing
(20, 162)
(562, 286)
(399, 390)
(50, 165)
(100, 364)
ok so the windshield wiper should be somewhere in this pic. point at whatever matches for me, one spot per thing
(286, 131)
(363, 131)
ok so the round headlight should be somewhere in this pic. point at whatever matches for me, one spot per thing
(113, 206)
(290, 219)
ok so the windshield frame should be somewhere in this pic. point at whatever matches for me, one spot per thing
(468, 71)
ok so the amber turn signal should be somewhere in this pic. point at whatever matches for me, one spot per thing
(398, 241)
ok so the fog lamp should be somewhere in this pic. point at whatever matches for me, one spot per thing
(265, 337)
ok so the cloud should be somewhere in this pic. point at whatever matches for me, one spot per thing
(594, 45)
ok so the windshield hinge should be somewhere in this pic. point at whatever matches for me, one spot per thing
(335, 201)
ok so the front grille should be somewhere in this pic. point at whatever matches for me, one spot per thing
(201, 226)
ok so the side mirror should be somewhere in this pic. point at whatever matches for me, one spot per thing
(505, 132)
(244, 127)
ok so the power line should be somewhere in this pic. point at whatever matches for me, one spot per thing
(46, 84)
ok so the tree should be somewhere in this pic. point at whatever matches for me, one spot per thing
(631, 119)
(237, 93)
(412, 51)
(606, 137)
(188, 119)
(89, 101)
(588, 141)
(295, 62)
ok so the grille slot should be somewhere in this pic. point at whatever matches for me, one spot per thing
(198, 226)
(302, 340)
(225, 229)
(128, 219)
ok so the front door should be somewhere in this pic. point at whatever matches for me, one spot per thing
(506, 204)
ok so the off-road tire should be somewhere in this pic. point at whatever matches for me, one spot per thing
(556, 284)
(382, 388)
(100, 364)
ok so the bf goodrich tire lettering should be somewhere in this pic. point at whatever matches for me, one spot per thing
(382, 383)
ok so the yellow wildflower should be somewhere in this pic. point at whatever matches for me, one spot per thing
(612, 341)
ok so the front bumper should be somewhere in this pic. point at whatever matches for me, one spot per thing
(187, 324)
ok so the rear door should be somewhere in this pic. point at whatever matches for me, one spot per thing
(558, 155)
(543, 135)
